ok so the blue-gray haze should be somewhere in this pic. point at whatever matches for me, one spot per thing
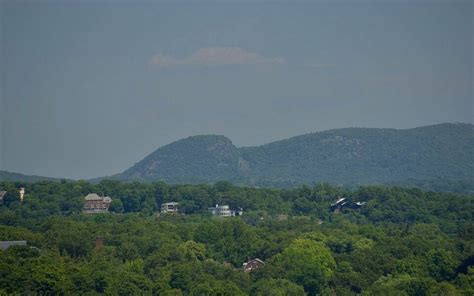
(90, 87)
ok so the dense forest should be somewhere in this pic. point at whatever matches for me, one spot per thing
(431, 157)
(402, 241)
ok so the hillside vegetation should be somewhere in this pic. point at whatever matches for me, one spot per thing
(427, 155)
(10, 176)
(401, 242)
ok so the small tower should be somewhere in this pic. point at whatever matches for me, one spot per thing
(22, 193)
(99, 242)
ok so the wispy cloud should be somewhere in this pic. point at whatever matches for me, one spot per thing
(215, 56)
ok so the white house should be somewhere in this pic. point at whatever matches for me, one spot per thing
(22, 193)
(169, 207)
(224, 211)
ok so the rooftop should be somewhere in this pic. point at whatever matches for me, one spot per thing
(170, 203)
(255, 260)
(338, 201)
(95, 196)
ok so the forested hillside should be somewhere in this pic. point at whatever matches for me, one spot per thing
(353, 156)
(400, 242)
(10, 176)
(194, 159)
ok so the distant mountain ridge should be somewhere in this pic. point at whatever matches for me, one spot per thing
(348, 156)
(17, 177)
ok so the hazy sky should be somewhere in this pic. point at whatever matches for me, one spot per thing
(91, 87)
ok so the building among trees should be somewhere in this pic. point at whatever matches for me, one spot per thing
(99, 242)
(93, 203)
(225, 211)
(2, 195)
(169, 207)
(253, 264)
(22, 193)
(343, 203)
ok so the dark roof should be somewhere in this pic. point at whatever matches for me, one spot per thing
(253, 264)
(2, 194)
(255, 260)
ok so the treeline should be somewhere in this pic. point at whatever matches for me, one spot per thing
(437, 157)
(401, 242)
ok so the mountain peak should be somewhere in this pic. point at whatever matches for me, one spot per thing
(188, 159)
(342, 156)
(205, 140)
(209, 137)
